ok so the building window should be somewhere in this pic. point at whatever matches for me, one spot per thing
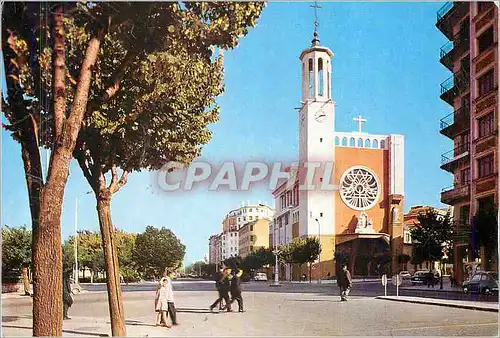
(320, 77)
(367, 143)
(485, 166)
(311, 78)
(360, 143)
(250, 210)
(337, 140)
(352, 142)
(344, 141)
(382, 144)
(485, 125)
(244, 219)
(485, 40)
(321, 140)
(375, 144)
(465, 176)
(320, 214)
(250, 218)
(482, 6)
(251, 227)
(251, 238)
(486, 83)
(251, 247)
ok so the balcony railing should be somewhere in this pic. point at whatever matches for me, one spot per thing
(447, 7)
(451, 155)
(454, 85)
(454, 193)
(452, 122)
(446, 55)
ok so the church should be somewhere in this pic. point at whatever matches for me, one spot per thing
(362, 216)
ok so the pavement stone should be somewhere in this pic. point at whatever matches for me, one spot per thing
(471, 305)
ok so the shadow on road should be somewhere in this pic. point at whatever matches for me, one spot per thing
(67, 331)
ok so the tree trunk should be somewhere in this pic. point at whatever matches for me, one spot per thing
(310, 271)
(91, 276)
(111, 261)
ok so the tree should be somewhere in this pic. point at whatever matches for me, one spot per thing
(311, 250)
(157, 250)
(403, 259)
(487, 232)
(129, 33)
(432, 235)
(16, 255)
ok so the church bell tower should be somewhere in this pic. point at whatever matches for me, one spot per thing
(316, 142)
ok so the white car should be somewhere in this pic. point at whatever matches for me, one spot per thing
(260, 276)
(405, 275)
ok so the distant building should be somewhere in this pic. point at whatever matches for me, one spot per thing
(253, 236)
(226, 244)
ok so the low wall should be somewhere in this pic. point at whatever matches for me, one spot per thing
(12, 287)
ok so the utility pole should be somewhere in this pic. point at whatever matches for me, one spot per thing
(276, 253)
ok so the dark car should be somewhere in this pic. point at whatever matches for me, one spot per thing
(482, 282)
(424, 277)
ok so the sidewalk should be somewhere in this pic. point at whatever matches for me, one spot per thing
(330, 281)
(481, 306)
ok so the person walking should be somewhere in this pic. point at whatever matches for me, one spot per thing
(236, 288)
(224, 287)
(344, 281)
(161, 304)
(67, 295)
(170, 299)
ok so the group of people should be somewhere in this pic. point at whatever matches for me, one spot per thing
(228, 283)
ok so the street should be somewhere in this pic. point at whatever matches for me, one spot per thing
(293, 309)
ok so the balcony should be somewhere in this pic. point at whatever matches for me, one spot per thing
(448, 15)
(452, 158)
(452, 50)
(454, 123)
(454, 194)
(454, 85)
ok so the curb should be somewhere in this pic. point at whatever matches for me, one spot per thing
(407, 288)
(428, 302)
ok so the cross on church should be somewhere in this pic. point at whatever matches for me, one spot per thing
(360, 120)
(315, 6)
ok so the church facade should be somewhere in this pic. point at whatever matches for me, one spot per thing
(362, 215)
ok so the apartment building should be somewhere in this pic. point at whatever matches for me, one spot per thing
(471, 54)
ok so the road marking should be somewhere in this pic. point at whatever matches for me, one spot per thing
(445, 326)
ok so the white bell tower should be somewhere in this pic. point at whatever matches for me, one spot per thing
(316, 139)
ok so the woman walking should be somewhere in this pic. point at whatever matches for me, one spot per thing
(161, 304)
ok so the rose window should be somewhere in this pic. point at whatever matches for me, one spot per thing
(359, 188)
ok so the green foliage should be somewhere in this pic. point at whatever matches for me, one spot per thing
(16, 252)
(487, 228)
(258, 259)
(403, 258)
(431, 235)
(157, 250)
(300, 250)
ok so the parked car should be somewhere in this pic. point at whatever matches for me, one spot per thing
(405, 275)
(482, 282)
(424, 278)
(260, 276)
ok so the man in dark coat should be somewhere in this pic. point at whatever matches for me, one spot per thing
(344, 281)
(236, 288)
(224, 286)
(67, 295)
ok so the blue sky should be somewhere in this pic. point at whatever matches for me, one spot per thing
(385, 67)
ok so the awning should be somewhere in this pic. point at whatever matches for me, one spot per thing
(344, 238)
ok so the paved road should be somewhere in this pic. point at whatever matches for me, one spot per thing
(277, 311)
(370, 289)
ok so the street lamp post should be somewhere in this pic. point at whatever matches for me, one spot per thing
(276, 253)
(319, 256)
